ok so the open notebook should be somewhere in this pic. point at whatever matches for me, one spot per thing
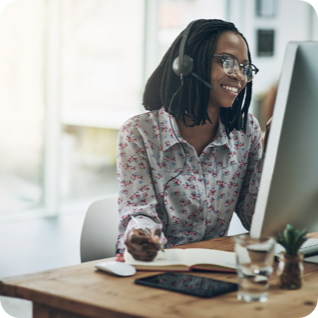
(186, 260)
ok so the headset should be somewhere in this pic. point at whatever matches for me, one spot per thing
(183, 64)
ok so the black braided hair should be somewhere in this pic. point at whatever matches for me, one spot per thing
(192, 101)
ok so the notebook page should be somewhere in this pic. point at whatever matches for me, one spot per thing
(169, 257)
(205, 256)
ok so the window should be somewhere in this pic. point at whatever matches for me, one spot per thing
(73, 71)
(266, 8)
(22, 39)
(101, 72)
(88, 56)
(265, 42)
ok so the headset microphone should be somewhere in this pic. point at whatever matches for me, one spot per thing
(183, 64)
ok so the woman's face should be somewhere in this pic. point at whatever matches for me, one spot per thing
(233, 44)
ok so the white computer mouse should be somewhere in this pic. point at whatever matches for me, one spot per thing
(116, 268)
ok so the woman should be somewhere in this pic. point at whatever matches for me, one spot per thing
(196, 157)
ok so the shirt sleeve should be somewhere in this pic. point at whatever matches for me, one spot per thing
(248, 194)
(136, 190)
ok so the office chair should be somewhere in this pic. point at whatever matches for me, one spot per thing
(100, 229)
(236, 226)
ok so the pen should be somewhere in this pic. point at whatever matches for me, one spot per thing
(146, 231)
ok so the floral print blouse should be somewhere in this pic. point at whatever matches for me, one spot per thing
(199, 203)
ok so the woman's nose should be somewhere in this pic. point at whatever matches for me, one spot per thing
(238, 75)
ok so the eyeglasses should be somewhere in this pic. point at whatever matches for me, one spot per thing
(231, 65)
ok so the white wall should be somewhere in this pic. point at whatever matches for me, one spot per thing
(295, 21)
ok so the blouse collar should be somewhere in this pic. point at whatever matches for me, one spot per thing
(169, 137)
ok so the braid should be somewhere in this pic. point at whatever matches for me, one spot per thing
(248, 89)
(192, 100)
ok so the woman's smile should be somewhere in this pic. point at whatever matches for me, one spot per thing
(231, 89)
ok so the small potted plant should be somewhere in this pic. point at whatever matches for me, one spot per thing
(290, 267)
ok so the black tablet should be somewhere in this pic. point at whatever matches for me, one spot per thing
(188, 284)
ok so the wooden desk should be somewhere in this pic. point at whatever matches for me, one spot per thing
(82, 291)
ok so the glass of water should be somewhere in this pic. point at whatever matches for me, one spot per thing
(254, 266)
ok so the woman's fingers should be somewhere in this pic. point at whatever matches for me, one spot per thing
(138, 237)
(142, 254)
(155, 235)
(146, 255)
(141, 246)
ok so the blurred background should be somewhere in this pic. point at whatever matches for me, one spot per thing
(73, 71)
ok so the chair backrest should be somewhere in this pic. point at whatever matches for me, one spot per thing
(100, 230)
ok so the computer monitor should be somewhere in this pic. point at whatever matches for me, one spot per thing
(288, 190)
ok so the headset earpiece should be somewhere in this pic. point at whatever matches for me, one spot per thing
(183, 64)
(186, 68)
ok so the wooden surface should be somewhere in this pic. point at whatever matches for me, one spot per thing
(81, 291)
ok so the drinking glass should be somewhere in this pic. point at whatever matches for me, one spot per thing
(254, 266)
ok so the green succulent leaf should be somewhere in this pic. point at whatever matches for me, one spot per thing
(291, 239)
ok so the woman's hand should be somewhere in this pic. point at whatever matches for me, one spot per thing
(141, 246)
(268, 127)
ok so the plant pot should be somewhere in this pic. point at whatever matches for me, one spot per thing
(290, 271)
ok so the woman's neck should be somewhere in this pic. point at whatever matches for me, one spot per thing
(199, 136)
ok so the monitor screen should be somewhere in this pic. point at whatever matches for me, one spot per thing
(288, 190)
